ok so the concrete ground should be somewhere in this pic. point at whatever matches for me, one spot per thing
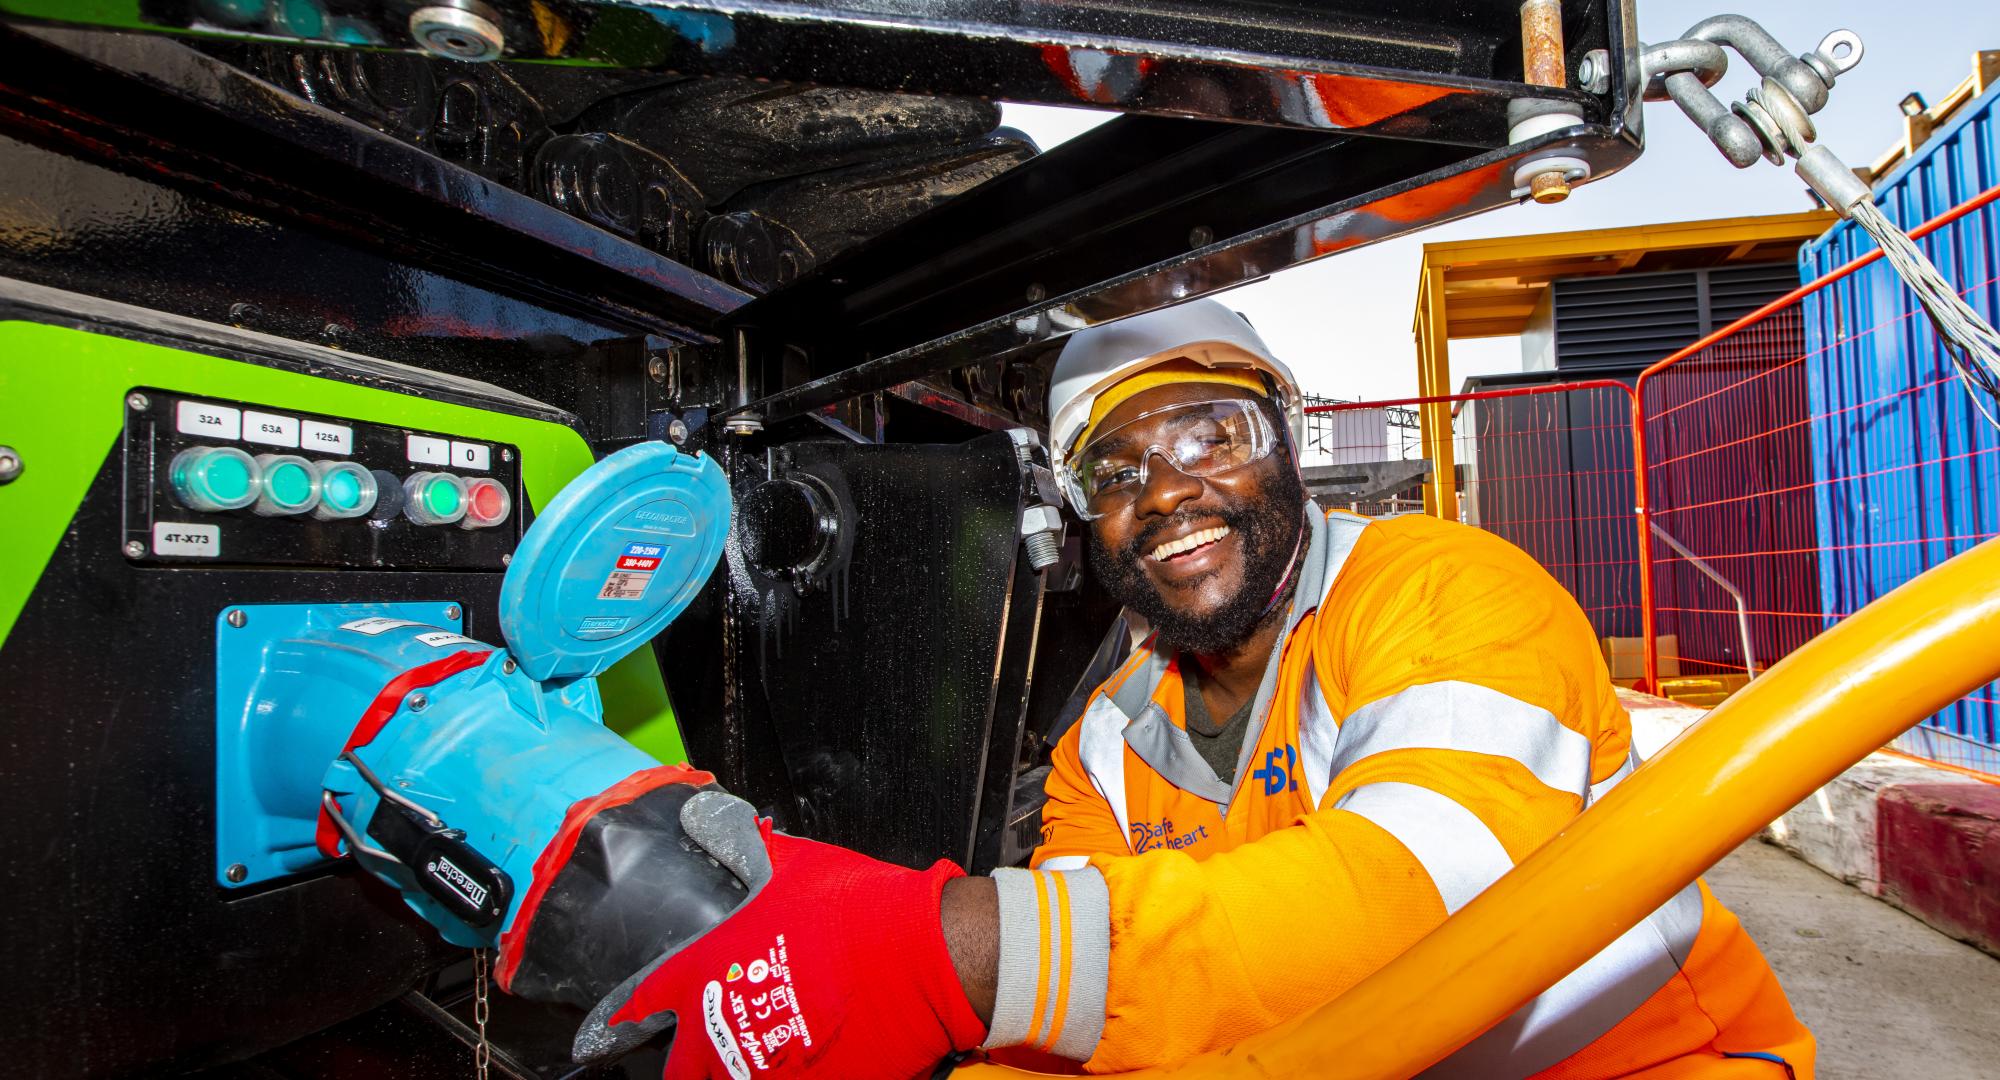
(1887, 996)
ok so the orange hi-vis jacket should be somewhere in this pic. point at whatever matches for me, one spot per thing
(1435, 710)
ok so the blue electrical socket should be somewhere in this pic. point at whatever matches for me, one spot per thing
(262, 783)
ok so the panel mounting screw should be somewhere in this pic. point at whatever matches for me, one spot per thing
(134, 549)
(506, 454)
(418, 703)
(10, 464)
(138, 402)
(1200, 236)
(1037, 292)
(506, 560)
(236, 617)
(507, 666)
(657, 369)
(677, 431)
(236, 872)
(466, 30)
(452, 612)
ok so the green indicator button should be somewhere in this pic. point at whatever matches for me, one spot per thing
(441, 498)
(346, 490)
(342, 491)
(289, 484)
(226, 478)
(212, 479)
(433, 498)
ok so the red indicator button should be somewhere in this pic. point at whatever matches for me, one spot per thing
(489, 501)
(487, 504)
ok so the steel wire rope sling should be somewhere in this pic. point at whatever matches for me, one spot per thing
(1774, 122)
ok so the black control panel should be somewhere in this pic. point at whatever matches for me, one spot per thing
(213, 481)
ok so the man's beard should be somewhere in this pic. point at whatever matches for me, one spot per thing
(1270, 532)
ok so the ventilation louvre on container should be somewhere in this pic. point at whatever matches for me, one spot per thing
(1632, 320)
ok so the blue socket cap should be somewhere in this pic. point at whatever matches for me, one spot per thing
(615, 557)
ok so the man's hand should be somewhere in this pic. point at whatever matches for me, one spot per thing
(836, 965)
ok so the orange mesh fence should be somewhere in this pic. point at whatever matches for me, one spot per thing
(1731, 501)
(1549, 468)
(1808, 459)
(1752, 489)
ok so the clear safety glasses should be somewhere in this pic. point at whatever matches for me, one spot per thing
(1200, 438)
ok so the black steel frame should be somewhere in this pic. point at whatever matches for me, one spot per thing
(174, 116)
(1349, 123)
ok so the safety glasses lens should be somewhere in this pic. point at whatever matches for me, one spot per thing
(1199, 439)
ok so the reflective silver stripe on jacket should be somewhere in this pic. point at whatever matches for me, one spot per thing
(1130, 717)
(1471, 718)
(1463, 857)
(1598, 789)
(1168, 751)
(1588, 1002)
(1054, 960)
(1457, 850)
(1319, 734)
(1101, 745)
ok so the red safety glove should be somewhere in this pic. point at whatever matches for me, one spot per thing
(835, 966)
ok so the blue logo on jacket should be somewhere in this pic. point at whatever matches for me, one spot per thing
(1277, 770)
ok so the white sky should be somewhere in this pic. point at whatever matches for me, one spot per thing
(1343, 323)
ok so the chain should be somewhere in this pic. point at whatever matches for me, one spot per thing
(482, 1054)
(732, 706)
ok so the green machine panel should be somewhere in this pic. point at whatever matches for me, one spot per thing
(108, 610)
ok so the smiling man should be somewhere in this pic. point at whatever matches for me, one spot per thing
(1338, 733)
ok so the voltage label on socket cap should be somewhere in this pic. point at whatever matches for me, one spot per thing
(615, 556)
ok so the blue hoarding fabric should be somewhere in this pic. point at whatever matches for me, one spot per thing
(1906, 470)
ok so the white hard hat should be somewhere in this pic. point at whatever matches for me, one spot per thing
(1098, 358)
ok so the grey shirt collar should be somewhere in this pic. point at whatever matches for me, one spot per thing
(1166, 748)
